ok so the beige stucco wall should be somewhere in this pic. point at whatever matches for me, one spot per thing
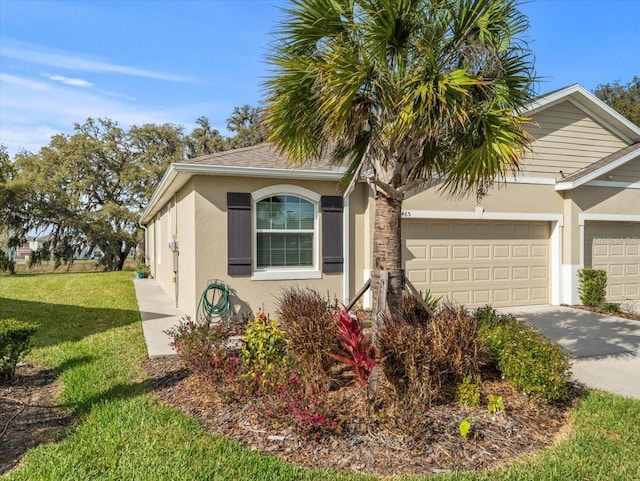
(210, 244)
(504, 198)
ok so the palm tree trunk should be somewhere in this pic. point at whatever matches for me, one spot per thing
(387, 253)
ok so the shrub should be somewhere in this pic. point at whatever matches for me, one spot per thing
(264, 346)
(6, 263)
(311, 332)
(197, 344)
(303, 407)
(357, 350)
(524, 355)
(612, 307)
(592, 286)
(15, 342)
(422, 361)
(468, 392)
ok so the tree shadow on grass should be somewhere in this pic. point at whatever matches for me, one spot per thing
(61, 323)
(29, 413)
(122, 391)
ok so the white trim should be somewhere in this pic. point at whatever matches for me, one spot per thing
(480, 214)
(286, 275)
(569, 294)
(598, 172)
(271, 172)
(284, 189)
(582, 218)
(292, 273)
(555, 260)
(614, 184)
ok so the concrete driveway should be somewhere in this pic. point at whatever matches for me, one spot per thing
(605, 349)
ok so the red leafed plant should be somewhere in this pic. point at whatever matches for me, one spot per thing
(357, 349)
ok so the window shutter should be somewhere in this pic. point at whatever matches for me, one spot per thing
(238, 234)
(332, 256)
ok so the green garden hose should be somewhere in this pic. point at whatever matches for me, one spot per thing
(207, 309)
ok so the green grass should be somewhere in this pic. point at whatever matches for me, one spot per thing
(91, 334)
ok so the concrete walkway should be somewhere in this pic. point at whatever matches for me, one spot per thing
(158, 313)
(605, 349)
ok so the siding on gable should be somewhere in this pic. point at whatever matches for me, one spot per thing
(566, 139)
(629, 172)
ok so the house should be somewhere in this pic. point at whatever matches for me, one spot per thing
(246, 218)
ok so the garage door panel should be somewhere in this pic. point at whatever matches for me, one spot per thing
(500, 263)
(615, 248)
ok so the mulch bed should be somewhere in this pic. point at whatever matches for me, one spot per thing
(28, 415)
(379, 448)
(625, 315)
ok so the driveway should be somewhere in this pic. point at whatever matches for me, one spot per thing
(605, 349)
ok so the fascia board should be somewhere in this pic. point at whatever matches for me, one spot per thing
(598, 172)
(168, 185)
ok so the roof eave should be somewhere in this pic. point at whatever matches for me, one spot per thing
(605, 169)
(167, 184)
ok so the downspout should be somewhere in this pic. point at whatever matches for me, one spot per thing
(176, 251)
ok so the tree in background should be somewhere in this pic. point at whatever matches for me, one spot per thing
(411, 90)
(246, 124)
(204, 140)
(624, 98)
(89, 188)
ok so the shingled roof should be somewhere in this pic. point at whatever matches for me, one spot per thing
(259, 156)
(600, 167)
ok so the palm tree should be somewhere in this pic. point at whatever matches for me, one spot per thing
(417, 92)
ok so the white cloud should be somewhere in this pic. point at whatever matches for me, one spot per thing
(32, 111)
(75, 82)
(77, 62)
(22, 82)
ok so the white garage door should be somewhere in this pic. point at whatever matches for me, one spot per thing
(615, 247)
(479, 262)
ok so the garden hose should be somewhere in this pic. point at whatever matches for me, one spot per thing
(207, 309)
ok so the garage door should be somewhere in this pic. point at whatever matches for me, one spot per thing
(479, 262)
(615, 247)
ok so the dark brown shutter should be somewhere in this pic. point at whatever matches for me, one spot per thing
(332, 256)
(238, 234)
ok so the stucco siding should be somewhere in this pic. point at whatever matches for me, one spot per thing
(210, 218)
(511, 198)
(566, 139)
(605, 200)
(187, 259)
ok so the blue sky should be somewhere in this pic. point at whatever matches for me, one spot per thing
(147, 61)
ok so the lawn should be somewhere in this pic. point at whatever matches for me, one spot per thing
(91, 335)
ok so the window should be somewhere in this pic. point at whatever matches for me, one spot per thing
(285, 232)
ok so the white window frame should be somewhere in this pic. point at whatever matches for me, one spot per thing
(285, 273)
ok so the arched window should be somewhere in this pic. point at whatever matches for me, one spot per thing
(285, 232)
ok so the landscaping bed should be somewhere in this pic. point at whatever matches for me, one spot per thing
(379, 448)
(28, 413)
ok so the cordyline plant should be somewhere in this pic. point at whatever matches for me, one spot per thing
(357, 350)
